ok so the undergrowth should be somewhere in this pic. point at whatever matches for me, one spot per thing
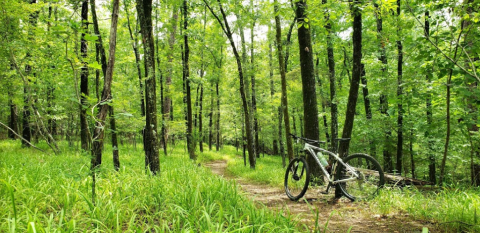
(52, 193)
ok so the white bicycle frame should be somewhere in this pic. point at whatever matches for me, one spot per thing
(311, 149)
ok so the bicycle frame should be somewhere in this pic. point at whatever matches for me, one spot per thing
(311, 150)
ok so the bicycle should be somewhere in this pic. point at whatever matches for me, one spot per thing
(358, 176)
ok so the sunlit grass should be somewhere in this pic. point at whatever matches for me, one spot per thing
(451, 208)
(52, 193)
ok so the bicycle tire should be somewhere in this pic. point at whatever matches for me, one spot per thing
(297, 178)
(371, 177)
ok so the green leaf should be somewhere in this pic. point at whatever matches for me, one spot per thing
(89, 37)
(95, 65)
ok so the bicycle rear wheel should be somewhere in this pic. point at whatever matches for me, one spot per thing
(297, 178)
(370, 177)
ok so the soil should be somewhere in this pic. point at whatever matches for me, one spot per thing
(333, 216)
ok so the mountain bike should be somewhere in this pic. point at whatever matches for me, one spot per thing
(358, 176)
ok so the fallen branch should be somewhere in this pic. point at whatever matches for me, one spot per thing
(13, 131)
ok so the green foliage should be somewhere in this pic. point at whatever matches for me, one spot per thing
(53, 193)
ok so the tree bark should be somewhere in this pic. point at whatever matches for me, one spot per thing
(217, 122)
(98, 133)
(310, 111)
(84, 130)
(430, 141)
(399, 94)
(284, 101)
(387, 157)
(144, 10)
(272, 93)
(187, 99)
(113, 128)
(137, 60)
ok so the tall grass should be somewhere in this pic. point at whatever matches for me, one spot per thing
(48, 193)
(451, 208)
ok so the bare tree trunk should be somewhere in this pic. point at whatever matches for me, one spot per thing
(399, 95)
(187, 99)
(217, 122)
(98, 133)
(137, 59)
(144, 9)
(284, 101)
(84, 130)
(431, 156)
(310, 111)
(387, 157)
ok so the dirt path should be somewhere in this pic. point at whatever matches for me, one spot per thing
(340, 216)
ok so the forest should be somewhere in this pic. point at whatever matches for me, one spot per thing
(114, 113)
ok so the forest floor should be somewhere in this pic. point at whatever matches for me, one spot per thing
(333, 216)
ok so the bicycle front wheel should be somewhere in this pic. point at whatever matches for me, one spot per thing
(364, 182)
(297, 178)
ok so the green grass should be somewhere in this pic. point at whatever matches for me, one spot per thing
(52, 193)
(455, 209)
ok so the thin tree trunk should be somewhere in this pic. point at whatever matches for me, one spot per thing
(99, 134)
(310, 110)
(187, 98)
(113, 128)
(12, 123)
(217, 122)
(430, 141)
(280, 136)
(387, 157)
(84, 130)
(284, 101)
(399, 95)
(210, 123)
(368, 110)
(144, 9)
(137, 59)
(272, 93)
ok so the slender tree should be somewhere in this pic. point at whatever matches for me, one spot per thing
(284, 102)
(310, 111)
(187, 99)
(399, 93)
(84, 130)
(144, 11)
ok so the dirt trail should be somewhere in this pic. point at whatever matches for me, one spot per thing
(340, 215)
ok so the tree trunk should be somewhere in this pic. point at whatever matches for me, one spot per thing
(210, 123)
(310, 111)
(113, 128)
(280, 136)
(187, 98)
(254, 98)
(387, 157)
(399, 95)
(98, 133)
(430, 141)
(137, 60)
(217, 122)
(84, 131)
(284, 101)
(368, 110)
(272, 93)
(12, 123)
(144, 10)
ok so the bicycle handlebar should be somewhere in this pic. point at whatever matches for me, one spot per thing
(306, 139)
